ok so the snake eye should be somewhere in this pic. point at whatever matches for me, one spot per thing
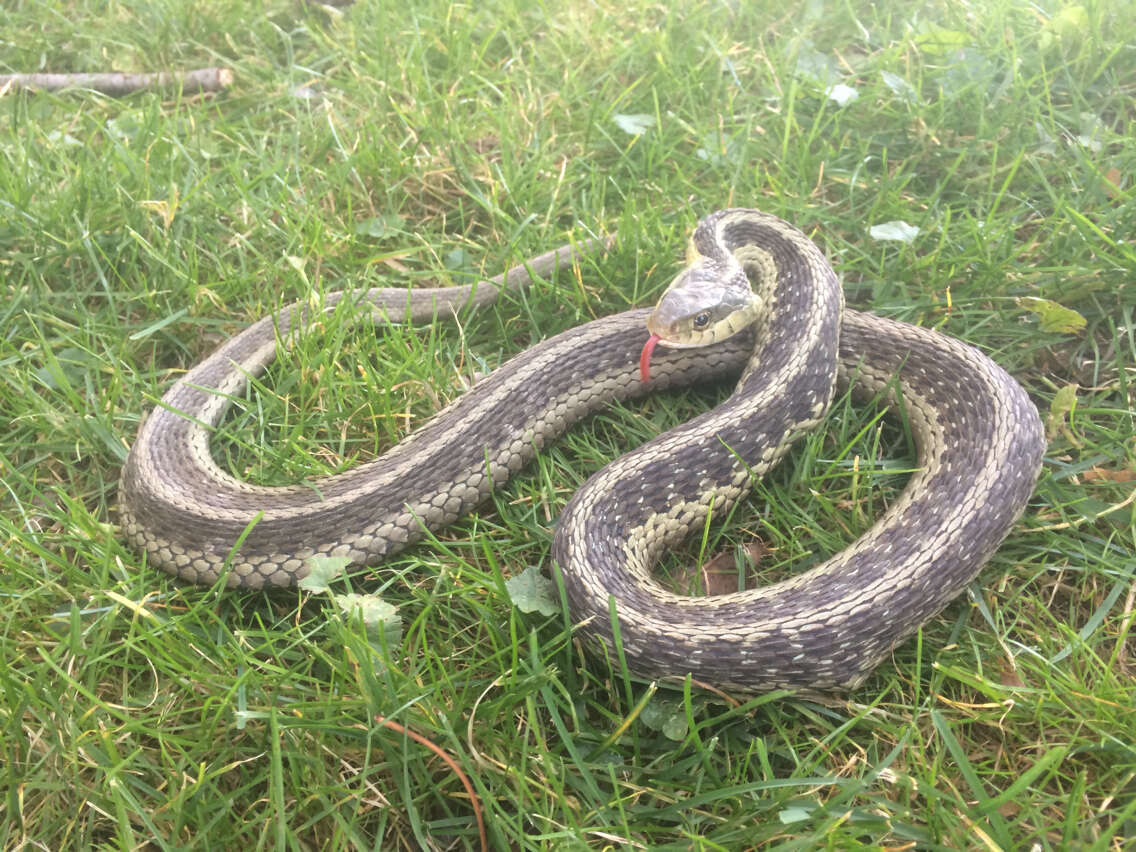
(702, 320)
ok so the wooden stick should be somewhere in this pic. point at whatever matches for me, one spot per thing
(116, 85)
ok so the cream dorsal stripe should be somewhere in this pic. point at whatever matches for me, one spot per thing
(978, 437)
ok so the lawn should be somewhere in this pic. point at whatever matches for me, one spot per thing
(966, 166)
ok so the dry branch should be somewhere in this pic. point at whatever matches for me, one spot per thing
(114, 84)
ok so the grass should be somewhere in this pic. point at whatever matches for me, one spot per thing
(389, 145)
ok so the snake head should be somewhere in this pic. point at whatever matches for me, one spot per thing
(703, 305)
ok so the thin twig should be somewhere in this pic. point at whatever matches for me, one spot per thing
(450, 762)
(116, 84)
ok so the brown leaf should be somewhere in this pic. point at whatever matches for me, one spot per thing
(720, 572)
(1113, 181)
(1009, 810)
(1104, 474)
(1008, 676)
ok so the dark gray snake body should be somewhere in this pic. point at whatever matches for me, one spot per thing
(978, 437)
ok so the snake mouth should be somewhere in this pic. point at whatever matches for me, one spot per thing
(645, 357)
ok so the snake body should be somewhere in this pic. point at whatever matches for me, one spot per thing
(978, 439)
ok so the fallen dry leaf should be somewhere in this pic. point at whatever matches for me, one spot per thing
(720, 572)
(1112, 179)
(1104, 474)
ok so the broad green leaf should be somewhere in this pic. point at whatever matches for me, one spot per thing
(379, 617)
(322, 570)
(1064, 404)
(1092, 131)
(895, 231)
(64, 140)
(380, 226)
(667, 717)
(1053, 316)
(900, 87)
(794, 814)
(936, 41)
(675, 727)
(69, 366)
(720, 151)
(841, 94)
(531, 591)
(636, 124)
(818, 67)
(457, 258)
(1067, 27)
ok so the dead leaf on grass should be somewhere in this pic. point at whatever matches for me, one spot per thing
(720, 572)
(1105, 474)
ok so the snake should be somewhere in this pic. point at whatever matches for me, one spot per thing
(757, 303)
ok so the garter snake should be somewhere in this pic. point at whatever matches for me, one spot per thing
(978, 441)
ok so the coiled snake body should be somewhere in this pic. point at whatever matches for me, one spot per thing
(978, 439)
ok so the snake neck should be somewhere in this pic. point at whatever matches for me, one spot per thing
(798, 294)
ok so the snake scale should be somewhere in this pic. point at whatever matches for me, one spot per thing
(978, 441)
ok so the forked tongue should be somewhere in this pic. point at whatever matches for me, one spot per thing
(645, 357)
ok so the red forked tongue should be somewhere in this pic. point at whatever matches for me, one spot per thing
(645, 357)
